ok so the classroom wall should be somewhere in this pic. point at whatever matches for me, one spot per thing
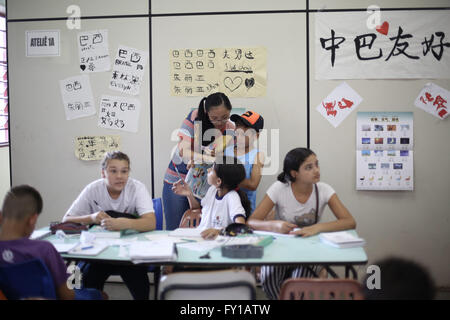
(42, 140)
(412, 224)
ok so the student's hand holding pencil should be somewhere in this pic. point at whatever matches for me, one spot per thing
(99, 216)
(181, 188)
(282, 226)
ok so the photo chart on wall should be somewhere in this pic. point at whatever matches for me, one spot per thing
(384, 151)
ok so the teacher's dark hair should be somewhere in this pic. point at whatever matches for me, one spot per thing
(213, 100)
(293, 161)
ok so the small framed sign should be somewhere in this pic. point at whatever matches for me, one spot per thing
(42, 43)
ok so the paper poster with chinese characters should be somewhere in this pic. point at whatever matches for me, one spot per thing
(77, 97)
(339, 104)
(237, 72)
(93, 51)
(435, 100)
(119, 113)
(399, 44)
(384, 151)
(128, 70)
(94, 147)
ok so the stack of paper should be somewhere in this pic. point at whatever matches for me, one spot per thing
(39, 234)
(153, 251)
(341, 239)
(186, 233)
(92, 249)
(100, 232)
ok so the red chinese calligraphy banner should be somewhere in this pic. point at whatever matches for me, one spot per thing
(406, 45)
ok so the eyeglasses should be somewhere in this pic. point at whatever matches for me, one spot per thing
(219, 120)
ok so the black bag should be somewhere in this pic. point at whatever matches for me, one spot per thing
(68, 227)
(117, 214)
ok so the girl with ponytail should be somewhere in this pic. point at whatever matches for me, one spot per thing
(224, 203)
(299, 199)
(212, 114)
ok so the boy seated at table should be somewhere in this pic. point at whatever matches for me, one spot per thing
(117, 192)
(20, 211)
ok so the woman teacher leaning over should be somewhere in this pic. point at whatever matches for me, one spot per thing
(213, 113)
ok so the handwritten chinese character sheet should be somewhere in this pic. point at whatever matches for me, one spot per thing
(128, 70)
(238, 72)
(434, 100)
(384, 151)
(119, 113)
(94, 147)
(339, 104)
(93, 51)
(77, 97)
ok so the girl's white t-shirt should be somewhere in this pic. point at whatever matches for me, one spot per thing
(288, 208)
(219, 212)
(134, 198)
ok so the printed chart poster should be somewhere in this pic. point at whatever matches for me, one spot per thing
(94, 147)
(42, 43)
(384, 151)
(77, 97)
(435, 100)
(93, 51)
(128, 70)
(404, 45)
(339, 104)
(119, 113)
(237, 72)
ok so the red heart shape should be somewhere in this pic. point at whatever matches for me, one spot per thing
(384, 28)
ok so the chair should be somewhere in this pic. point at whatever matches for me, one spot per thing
(156, 270)
(157, 206)
(320, 289)
(208, 285)
(191, 218)
(30, 279)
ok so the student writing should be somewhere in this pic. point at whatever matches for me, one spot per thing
(115, 191)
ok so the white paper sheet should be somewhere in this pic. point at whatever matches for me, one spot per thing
(93, 51)
(128, 70)
(77, 97)
(339, 104)
(434, 100)
(119, 113)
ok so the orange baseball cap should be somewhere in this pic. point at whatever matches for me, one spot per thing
(251, 119)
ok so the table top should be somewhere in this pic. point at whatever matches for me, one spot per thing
(282, 251)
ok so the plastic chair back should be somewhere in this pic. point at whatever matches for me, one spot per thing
(30, 279)
(157, 206)
(208, 285)
(321, 289)
(191, 218)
